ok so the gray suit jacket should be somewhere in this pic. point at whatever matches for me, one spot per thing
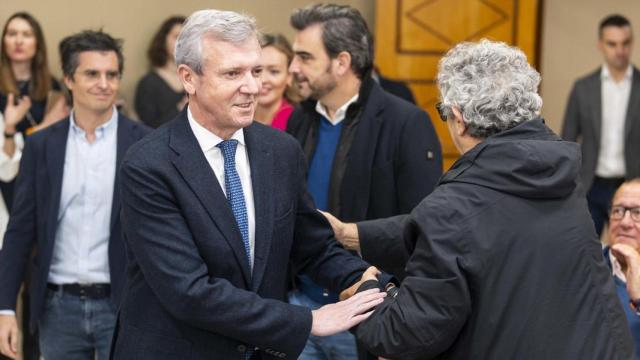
(583, 120)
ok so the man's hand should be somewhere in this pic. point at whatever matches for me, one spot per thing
(13, 113)
(341, 316)
(629, 259)
(370, 274)
(346, 233)
(9, 336)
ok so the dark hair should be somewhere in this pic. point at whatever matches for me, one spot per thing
(343, 29)
(88, 40)
(40, 82)
(616, 20)
(157, 52)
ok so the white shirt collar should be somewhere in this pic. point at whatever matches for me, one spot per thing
(340, 114)
(100, 130)
(606, 74)
(206, 139)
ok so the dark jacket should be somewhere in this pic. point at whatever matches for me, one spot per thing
(505, 264)
(34, 220)
(388, 159)
(583, 123)
(397, 88)
(191, 293)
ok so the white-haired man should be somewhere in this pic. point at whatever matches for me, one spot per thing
(215, 209)
(505, 262)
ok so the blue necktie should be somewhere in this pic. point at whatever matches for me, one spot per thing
(235, 196)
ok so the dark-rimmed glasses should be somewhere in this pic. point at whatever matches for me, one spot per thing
(442, 112)
(618, 212)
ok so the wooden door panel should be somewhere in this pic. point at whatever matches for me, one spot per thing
(412, 35)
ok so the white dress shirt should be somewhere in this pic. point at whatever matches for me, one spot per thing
(208, 141)
(340, 114)
(81, 249)
(615, 98)
(8, 171)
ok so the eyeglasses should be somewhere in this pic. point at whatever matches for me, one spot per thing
(618, 212)
(442, 111)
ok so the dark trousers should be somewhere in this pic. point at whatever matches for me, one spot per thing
(599, 199)
(30, 346)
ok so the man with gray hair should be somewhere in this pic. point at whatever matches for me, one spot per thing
(215, 209)
(371, 154)
(505, 262)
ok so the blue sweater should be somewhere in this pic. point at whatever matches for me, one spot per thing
(318, 183)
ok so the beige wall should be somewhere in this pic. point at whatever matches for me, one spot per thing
(568, 42)
(568, 51)
(135, 21)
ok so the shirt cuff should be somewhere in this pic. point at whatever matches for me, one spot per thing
(7, 312)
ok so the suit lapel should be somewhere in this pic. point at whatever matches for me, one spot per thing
(56, 149)
(634, 102)
(191, 163)
(357, 178)
(125, 138)
(261, 163)
(596, 105)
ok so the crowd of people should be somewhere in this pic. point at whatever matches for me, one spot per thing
(285, 200)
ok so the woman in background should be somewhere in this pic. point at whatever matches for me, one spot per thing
(159, 94)
(24, 72)
(277, 97)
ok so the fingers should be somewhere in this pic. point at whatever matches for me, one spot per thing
(14, 339)
(8, 336)
(625, 250)
(359, 318)
(365, 300)
(26, 102)
(371, 273)
(625, 254)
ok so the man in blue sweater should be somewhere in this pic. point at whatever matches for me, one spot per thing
(371, 154)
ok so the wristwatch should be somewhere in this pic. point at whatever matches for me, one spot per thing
(8, 135)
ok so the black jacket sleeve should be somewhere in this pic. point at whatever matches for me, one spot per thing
(432, 304)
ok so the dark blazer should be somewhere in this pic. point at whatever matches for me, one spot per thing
(190, 292)
(393, 161)
(33, 223)
(583, 123)
(397, 88)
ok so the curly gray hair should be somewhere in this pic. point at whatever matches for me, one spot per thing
(491, 83)
(226, 26)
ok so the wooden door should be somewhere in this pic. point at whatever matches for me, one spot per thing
(412, 35)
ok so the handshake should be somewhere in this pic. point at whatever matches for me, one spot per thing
(351, 310)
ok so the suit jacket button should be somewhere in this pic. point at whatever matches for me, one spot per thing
(282, 356)
(241, 348)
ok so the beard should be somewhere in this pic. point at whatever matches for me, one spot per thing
(321, 86)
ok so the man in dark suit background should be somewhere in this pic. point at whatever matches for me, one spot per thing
(215, 208)
(397, 88)
(66, 212)
(603, 114)
(371, 155)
